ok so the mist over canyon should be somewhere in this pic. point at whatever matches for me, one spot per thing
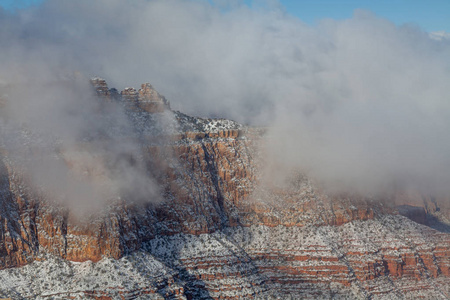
(283, 161)
(359, 103)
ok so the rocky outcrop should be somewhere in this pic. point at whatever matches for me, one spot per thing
(146, 98)
(293, 238)
(101, 87)
(129, 94)
(150, 100)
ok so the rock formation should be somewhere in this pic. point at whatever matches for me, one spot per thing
(218, 233)
(146, 98)
(101, 87)
(150, 100)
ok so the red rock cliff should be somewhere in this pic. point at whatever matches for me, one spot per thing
(209, 181)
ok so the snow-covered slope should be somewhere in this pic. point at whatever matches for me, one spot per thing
(358, 260)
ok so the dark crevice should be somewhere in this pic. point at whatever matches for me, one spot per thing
(212, 169)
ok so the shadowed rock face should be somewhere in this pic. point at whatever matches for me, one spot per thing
(423, 209)
(210, 182)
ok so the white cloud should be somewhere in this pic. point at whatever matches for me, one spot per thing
(440, 35)
(359, 102)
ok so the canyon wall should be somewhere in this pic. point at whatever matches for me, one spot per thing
(262, 239)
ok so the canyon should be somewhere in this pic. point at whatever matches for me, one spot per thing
(215, 226)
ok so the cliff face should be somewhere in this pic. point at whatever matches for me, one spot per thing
(387, 257)
(208, 184)
(272, 240)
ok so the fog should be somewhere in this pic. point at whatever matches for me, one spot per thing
(358, 104)
(72, 147)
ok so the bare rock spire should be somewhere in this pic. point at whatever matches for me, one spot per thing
(150, 100)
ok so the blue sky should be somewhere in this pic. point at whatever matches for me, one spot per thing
(15, 4)
(430, 15)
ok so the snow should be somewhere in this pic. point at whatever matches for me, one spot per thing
(237, 262)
